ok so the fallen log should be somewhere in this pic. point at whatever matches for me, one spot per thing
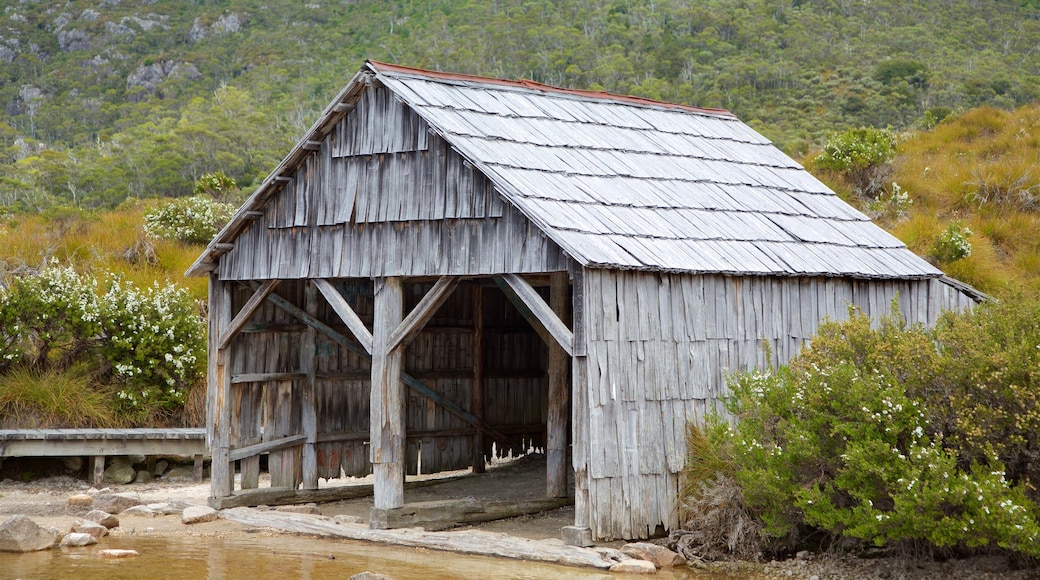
(476, 542)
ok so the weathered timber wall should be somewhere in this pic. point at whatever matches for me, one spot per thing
(659, 347)
(394, 201)
(515, 361)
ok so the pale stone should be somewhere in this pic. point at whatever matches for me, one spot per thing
(80, 499)
(299, 509)
(19, 533)
(659, 555)
(160, 467)
(634, 567)
(179, 472)
(76, 540)
(170, 507)
(115, 503)
(366, 575)
(112, 554)
(577, 536)
(198, 514)
(104, 518)
(141, 511)
(144, 476)
(120, 471)
(345, 519)
(94, 529)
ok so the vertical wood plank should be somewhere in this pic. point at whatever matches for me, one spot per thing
(308, 365)
(477, 393)
(556, 423)
(219, 391)
(387, 402)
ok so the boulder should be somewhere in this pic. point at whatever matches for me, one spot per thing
(144, 476)
(160, 467)
(634, 567)
(76, 540)
(80, 500)
(104, 518)
(141, 511)
(198, 514)
(94, 529)
(345, 519)
(19, 533)
(113, 554)
(180, 472)
(115, 503)
(120, 471)
(659, 555)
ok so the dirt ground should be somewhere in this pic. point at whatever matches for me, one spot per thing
(46, 501)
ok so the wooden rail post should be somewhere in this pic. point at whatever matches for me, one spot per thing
(556, 420)
(387, 402)
(477, 395)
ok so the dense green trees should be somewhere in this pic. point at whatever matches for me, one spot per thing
(134, 99)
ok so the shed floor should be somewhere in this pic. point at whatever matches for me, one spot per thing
(517, 480)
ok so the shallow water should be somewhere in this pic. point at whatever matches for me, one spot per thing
(281, 558)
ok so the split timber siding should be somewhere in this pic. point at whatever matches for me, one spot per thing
(658, 349)
(516, 384)
(397, 202)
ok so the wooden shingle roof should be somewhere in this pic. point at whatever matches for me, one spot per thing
(624, 182)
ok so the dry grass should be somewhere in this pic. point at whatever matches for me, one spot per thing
(67, 398)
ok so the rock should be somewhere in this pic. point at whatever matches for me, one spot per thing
(198, 514)
(308, 508)
(659, 556)
(19, 533)
(104, 518)
(115, 503)
(144, 476)
(160, 467)
(80, 499)
(76, 540)
(94, 529)
(180, 472)
(120, 471)
(366, 575)
(141, 511)
(634, 567)
(802, 555)
(171, 507)
(117, 553)
(345, 519)
(72, 463)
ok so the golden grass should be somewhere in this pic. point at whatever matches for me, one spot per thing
(53, 399)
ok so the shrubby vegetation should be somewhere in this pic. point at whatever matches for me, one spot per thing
(892, 436)
(194, 219)
(141, 350)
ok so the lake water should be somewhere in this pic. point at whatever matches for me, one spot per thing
(281, 558)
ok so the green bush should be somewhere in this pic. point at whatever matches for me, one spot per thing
(146, 344)
(193, 220)
(871, 435)
(952, 244)
(863, 156)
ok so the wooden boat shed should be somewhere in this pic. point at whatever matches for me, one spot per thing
(448, 266)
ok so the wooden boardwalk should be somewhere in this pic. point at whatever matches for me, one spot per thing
(100, 443)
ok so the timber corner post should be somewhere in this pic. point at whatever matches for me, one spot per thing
(218, 394)
(387, 402)
(580, 534)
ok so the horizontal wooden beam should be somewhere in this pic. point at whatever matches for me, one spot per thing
(346, 313)
(266, 446)
(243, 316)
(266, 377)
(537, 311)
(422, 313)
(222, 247)
(311, 145)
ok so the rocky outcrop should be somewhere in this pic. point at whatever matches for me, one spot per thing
(149, 77)
(20, 534)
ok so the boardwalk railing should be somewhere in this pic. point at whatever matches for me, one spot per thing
(100, 443)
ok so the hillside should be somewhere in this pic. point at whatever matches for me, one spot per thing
(118, 98)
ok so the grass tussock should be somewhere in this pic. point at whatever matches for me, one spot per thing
(68, 398)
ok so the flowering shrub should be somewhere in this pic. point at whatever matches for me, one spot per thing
(859, 437)
(892, 205)
(952, 244)
(862, 156)
(193, 219)
(145, 342)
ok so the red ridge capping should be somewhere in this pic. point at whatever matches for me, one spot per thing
(537, 86)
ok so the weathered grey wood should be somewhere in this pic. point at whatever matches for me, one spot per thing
(98, 465)
(556, 422)
(537, 311)
(309, 418)
(267, 446)
(236, 324)
(444, 514)
(346, 313)
(475, 542)
(477, 393)
(387, 406)
(421, 314)
(219, 390)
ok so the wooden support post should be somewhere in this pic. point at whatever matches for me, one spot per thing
(218, 395)
(580, 533)
(98, 463)
(196, 471)
(387, 403)
(556, 419)
(477, 394)
(309, 418)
